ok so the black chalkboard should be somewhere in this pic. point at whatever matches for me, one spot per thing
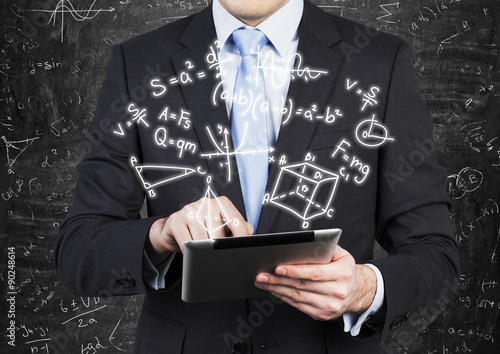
(52, 62)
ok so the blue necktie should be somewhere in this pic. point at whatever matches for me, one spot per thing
(249, 122)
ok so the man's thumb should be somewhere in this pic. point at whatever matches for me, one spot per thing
(339, 253)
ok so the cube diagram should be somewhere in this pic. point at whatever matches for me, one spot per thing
(310, 193)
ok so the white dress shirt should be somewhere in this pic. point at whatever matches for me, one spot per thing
(277, 59)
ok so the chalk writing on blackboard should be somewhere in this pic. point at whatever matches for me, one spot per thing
(65, 7)
(388, 12)
(15, 148)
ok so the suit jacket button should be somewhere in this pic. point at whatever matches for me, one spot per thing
(399, 321)
(126, 282)
(396, 323)
(129, 282)
(237, 347)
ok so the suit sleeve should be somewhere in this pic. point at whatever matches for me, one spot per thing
(100, 245)
(413, 223)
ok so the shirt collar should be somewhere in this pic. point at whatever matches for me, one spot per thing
(281, 28)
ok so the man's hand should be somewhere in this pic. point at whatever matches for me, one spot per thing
(323, 291)
(168, 234)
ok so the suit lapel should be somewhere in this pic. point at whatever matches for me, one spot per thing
(198, 95)
(317, 35)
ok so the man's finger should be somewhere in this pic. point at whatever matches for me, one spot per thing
(308, 309)
(196, 229)
(215, 220)
(339, 253)
(250, 228)
(266, 281)
(318, 272)
(180, 231)
(237, 224)
(313, 272)
(297, 295)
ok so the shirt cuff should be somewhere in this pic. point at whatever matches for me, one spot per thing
(155, 276)
(352, 321)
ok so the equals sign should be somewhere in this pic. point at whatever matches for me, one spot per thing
(173, 116)
(174, 81)
(171, 142)
(298, 111)
(201, 75)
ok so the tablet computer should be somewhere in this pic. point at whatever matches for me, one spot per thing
(225, 268)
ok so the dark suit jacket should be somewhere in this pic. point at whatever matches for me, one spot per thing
(403, 203)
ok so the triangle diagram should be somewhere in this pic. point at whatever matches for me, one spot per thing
(204, 212)
(16, 148)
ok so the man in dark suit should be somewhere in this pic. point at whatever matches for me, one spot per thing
(352, 113)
